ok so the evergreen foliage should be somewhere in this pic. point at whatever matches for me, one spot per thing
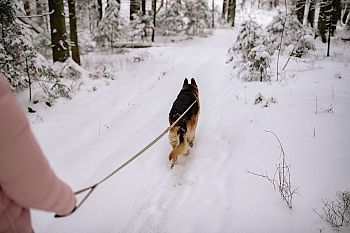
(171, 21)
(191, 17)
(297, 39)
(254, 52)
(19, 61)
(111, 27)
(198, 16)
(138, 26)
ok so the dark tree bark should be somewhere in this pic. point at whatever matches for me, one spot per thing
(330, 13)
(231, 12)
(99, 7)
(300, 8)
(336, 15)
(311, 15)
(346, 13)
(324, 18)
(39, 10)
(213, 14)
(134, 8)
(224, 9)
(60, 49)
(143, 6)
(73, 31)
(26, 4)
(154, 9)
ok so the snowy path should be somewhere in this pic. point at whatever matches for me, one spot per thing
(208, 191)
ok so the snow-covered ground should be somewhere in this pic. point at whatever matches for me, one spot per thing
(87, 137)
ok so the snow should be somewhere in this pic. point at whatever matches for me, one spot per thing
(86, 138)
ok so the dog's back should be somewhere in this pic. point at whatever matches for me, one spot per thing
(183, 133)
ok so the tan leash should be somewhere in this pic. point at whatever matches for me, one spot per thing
(93, 187)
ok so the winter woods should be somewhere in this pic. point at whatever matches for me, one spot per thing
(36, 33)
(293, 32)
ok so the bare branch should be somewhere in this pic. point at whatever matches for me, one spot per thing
(32, 16)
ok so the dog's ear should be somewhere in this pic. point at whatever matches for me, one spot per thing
(185, 82)
(193, 82)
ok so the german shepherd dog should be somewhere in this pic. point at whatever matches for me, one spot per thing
(183, 133)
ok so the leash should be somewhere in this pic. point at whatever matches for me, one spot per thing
(94, 186)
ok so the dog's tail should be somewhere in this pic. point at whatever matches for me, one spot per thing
(182, 148)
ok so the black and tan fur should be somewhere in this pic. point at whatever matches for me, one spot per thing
(183, 133)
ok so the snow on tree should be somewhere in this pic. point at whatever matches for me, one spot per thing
(19, 61)
(60, 49)
(111, 27)
(171, 20)
(138, 26)
(297, 38)
(253, 52)
(198, 16)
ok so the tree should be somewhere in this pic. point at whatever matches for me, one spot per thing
(19, 62)
(134, 8)
(197, 15)
(300, 8)
(73, 31)
(330, 13)
(224, 9)
(154, 10)
(27, 9)
(231, 12)
(171, 21)
(99, 7)
(39, 10)
(111, 26)
(143, 3)
(311, 13)
(60, 50)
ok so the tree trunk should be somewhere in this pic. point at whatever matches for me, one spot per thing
(336, 15)
(231, 12)
(311, 15)
(39, 10)
(346, 13)
(99, 7)
(26, 4)
(306, 12)
(324, 18)
(213, 14)
(143, 6)
(73, 31)
(224, 9)
(134, 8)
(154, 9)
(60, 49)
(300, 8)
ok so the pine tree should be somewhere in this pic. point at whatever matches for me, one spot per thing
(171, 21)
(134, 8)
(111, 27)
(19, 61)
(197, 15)
(251, 48)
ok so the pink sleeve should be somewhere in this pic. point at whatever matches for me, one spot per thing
(25, 175)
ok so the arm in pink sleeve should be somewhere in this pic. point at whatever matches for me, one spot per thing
(25, 175)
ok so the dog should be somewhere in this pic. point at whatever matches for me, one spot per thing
(182, 134)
